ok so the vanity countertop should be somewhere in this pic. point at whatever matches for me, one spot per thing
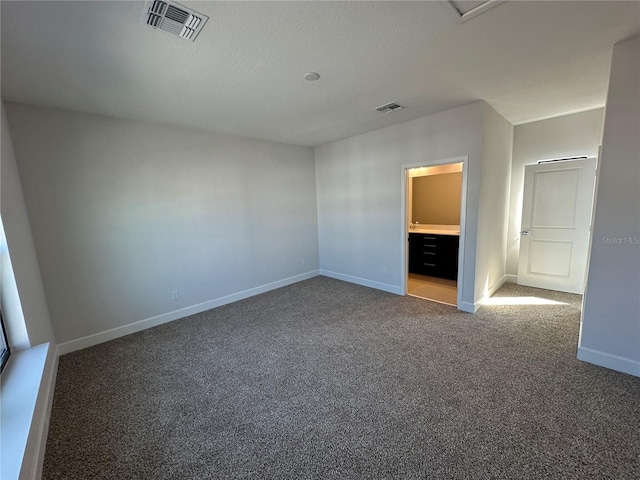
(435, 229)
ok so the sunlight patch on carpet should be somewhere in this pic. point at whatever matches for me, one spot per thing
(520, 301)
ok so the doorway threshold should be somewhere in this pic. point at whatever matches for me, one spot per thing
(432, 288)
(432, 300)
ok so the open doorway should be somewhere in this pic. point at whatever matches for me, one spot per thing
(433, 227)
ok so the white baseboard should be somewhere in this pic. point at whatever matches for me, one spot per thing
(607, 360)
(363, 281)
(511, 278)
(494, 288)
(468, 307)
(140, 325)
(491, 290)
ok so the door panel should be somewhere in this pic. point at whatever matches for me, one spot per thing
(553, 188)
(556, 217)
(550, 258)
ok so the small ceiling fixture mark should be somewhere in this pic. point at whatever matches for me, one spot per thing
(311, 76)
(390, 107)
(469, 9)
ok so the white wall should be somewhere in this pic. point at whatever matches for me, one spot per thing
(124, 213)
(26, 311)
(359, 182)
(497, 146)
(572, 135)
(610, 331)
(29, 376)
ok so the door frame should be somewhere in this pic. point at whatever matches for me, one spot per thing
(404, 251)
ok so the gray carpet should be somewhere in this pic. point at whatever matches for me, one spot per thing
(329, 380)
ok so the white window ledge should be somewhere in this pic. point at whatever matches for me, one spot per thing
(19, 388)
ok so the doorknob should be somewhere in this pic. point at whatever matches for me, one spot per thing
(526, 232)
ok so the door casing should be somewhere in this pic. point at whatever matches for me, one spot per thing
(404, 251)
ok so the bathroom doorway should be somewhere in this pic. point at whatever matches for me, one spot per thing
(434, 201)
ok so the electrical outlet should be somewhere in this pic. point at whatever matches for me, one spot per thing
(304, 262)
(385, 270)
(175, 295)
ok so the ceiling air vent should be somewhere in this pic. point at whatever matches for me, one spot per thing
(390, 107)
(173, 18)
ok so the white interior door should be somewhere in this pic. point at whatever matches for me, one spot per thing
(555, 230)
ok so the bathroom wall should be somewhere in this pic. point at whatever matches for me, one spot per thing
(436, 199)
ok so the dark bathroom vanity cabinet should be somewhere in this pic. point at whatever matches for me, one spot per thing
(434, 255)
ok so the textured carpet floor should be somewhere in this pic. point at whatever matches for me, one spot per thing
(325, 379)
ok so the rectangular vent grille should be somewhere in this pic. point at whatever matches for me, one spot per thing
(390, 107)
(173, 18)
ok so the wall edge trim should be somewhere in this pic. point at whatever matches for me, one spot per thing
(43, 412)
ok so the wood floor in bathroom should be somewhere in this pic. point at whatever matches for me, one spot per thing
(432, 288)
